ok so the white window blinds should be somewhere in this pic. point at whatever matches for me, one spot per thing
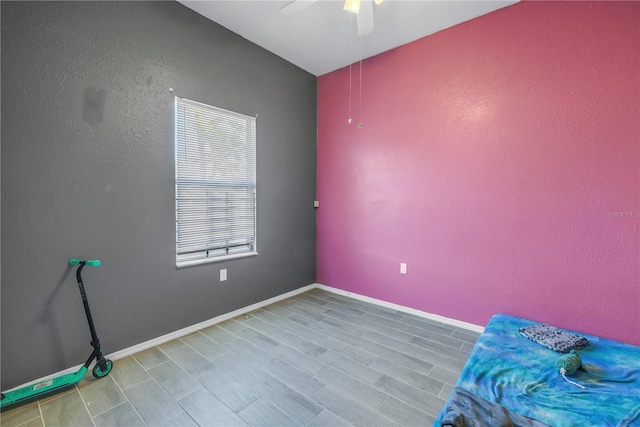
(215, 183)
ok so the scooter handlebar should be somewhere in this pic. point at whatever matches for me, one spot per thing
(89, 262)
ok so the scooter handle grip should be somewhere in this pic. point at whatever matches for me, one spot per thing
(89, 262)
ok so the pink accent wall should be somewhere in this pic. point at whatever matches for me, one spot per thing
(500, 160)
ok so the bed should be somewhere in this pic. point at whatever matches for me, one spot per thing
(510, 380)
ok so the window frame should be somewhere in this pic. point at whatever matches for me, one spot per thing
(207, 181)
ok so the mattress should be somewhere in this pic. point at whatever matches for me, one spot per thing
(519, 375)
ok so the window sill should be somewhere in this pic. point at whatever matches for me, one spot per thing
(182, 264)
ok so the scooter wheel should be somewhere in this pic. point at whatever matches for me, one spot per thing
(99, 373)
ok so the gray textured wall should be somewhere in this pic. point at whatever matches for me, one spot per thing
(88, 171)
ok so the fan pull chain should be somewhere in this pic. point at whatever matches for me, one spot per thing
(360, 121)
(350, 63)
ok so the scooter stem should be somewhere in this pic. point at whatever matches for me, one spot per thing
(95, 343)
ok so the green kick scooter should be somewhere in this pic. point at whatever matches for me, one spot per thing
(101, 369)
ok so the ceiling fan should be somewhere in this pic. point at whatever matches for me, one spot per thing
(363, 9)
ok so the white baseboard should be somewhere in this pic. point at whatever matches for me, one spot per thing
(430, 316)
(179, 333)
(193, 328)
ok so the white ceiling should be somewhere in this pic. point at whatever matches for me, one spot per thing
(318, 38)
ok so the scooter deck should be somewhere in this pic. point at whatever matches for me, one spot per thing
(42, 388)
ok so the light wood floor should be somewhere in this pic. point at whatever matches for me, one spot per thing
(317, 359)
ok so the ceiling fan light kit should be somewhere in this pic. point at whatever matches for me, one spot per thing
(363, 9)
(352, 6)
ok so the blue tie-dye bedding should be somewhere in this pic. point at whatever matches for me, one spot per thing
(506, 368)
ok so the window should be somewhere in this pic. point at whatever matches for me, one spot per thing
(215, 183)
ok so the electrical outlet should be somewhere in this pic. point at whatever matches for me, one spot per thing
(223, 274)
(316, 203)
(403, 268)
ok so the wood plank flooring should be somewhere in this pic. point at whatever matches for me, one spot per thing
(317, 359)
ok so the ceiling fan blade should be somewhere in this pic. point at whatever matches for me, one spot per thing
(296, 6)
(365, 18)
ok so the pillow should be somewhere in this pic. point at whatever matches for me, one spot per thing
(554, 338)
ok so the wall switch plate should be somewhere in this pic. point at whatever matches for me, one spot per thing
(316, 203)
(223, 274)
(403, 268)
